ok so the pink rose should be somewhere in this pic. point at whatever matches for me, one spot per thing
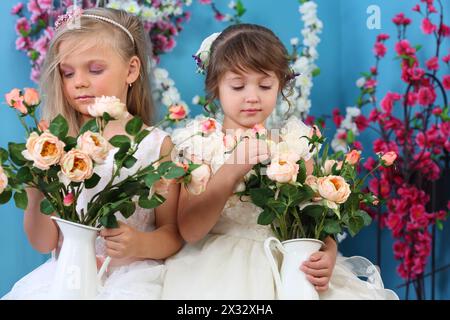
(44, 150)
(282, 171)
(333, 188)
(311, 181)
(259, 129)
(199, 179)
(177, 112)
(353, 157)
(31, 97)
(3, 180)
(389, 158)
(76, 165)
(68, 199)
(94, 145)
(208, 126)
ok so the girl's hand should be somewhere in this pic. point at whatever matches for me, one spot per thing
(319, 267)
(121, 242)
(247, 153)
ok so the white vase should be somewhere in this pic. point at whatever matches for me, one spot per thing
(76, 274)
(291, 283)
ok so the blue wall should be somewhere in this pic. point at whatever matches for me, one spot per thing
(345, 51)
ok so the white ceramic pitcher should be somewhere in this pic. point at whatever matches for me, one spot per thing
(76, 274)
(291, 283)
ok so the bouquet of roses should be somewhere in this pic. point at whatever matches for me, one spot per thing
(323, 202)
(61, 166)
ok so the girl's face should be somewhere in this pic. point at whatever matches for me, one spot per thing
(247, 99)
(93, 72)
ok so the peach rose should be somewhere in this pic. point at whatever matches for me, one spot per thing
(333, 188)
(13, 95)
(389, 158)
(199, 179)
(259, 129)
(281, 170)
(112, 105)
(3, 180)
(44, 150)
(353, 157)
(162, 186)
(328, 165)
(177, 112)
(77, 165)
(31, 97)
(95, 145)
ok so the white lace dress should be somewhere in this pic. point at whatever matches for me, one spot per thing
(230, 263)
(125, 278)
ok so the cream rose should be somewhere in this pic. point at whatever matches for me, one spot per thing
(328, 166)
(77, 165)
(333, 188)
(112, 105)
(199, 179)
(95, 145)
(44, 150)
(281, 170)
(3, 180)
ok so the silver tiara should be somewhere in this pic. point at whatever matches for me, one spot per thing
(78, 12)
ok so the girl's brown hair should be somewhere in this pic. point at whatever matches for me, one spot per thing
(139, 98)
(244, 47)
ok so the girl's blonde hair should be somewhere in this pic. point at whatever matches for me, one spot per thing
(139, 98)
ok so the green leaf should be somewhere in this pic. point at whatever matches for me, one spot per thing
(151, 178)
(122, 152)
(3, 155)
(175, 172)
(418, 47)
(92, 181)
(352, 203)
(24, 175)
(163, 167)
(154, 202)
(266, 217)
(5, 196)
(46, 207)
(439, 225)
(53, 186)
(109, 221)
(134, 126)
(240, 9)
(350, 137)
(301, 176)
(355, 224)
(91, 125)
(127, 209)
(15, 153)
(316, 72)
(106, 117)
(260, 196)
(129, 162)
(141, 135)
(367, 219)
(278, 207)
(21, 199)
(331, 226)
(59, 127)
(120, 140)
(70, 142)
(314, 211)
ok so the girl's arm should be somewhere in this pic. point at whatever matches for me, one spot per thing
(197, 214)
(161, 243)
(41, 231)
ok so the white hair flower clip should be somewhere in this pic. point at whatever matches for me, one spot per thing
(202, 55)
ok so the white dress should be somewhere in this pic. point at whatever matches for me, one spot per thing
(125, 278)
(230, 263)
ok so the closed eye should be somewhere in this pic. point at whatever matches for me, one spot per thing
(265, 87)
(238, 88)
